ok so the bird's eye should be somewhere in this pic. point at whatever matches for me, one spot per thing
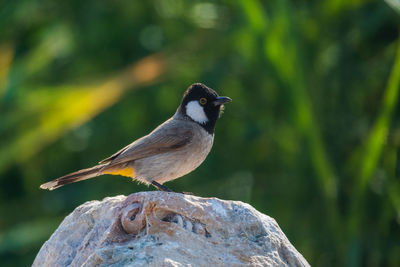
(203, 101)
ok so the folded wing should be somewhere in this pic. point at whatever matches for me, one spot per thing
(167, 137)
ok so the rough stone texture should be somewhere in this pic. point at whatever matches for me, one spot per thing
(167, 229)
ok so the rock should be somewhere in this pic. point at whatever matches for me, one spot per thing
(167, 229)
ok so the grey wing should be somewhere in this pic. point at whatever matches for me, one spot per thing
(116, 154)
(169, 136)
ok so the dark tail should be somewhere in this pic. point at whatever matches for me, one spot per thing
(74, 177)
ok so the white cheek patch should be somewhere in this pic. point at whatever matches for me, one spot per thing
(196, 112)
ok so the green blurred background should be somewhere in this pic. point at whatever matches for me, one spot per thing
(311, 138)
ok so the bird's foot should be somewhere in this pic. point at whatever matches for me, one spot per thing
(166, 189)
(161, 187)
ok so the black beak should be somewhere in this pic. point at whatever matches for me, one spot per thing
(221, 100)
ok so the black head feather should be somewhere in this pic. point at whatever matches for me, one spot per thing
(212, 108)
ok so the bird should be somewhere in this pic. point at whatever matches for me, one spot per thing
(173, 149)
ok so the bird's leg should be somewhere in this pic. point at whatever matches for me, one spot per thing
(161, 187)
(166, 189)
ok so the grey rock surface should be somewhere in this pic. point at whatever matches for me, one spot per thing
(167, 229)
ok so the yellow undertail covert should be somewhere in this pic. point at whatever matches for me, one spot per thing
(128, 172)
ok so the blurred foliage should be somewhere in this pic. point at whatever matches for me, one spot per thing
(311, 138)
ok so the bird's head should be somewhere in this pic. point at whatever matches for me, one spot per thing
(202, 105)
